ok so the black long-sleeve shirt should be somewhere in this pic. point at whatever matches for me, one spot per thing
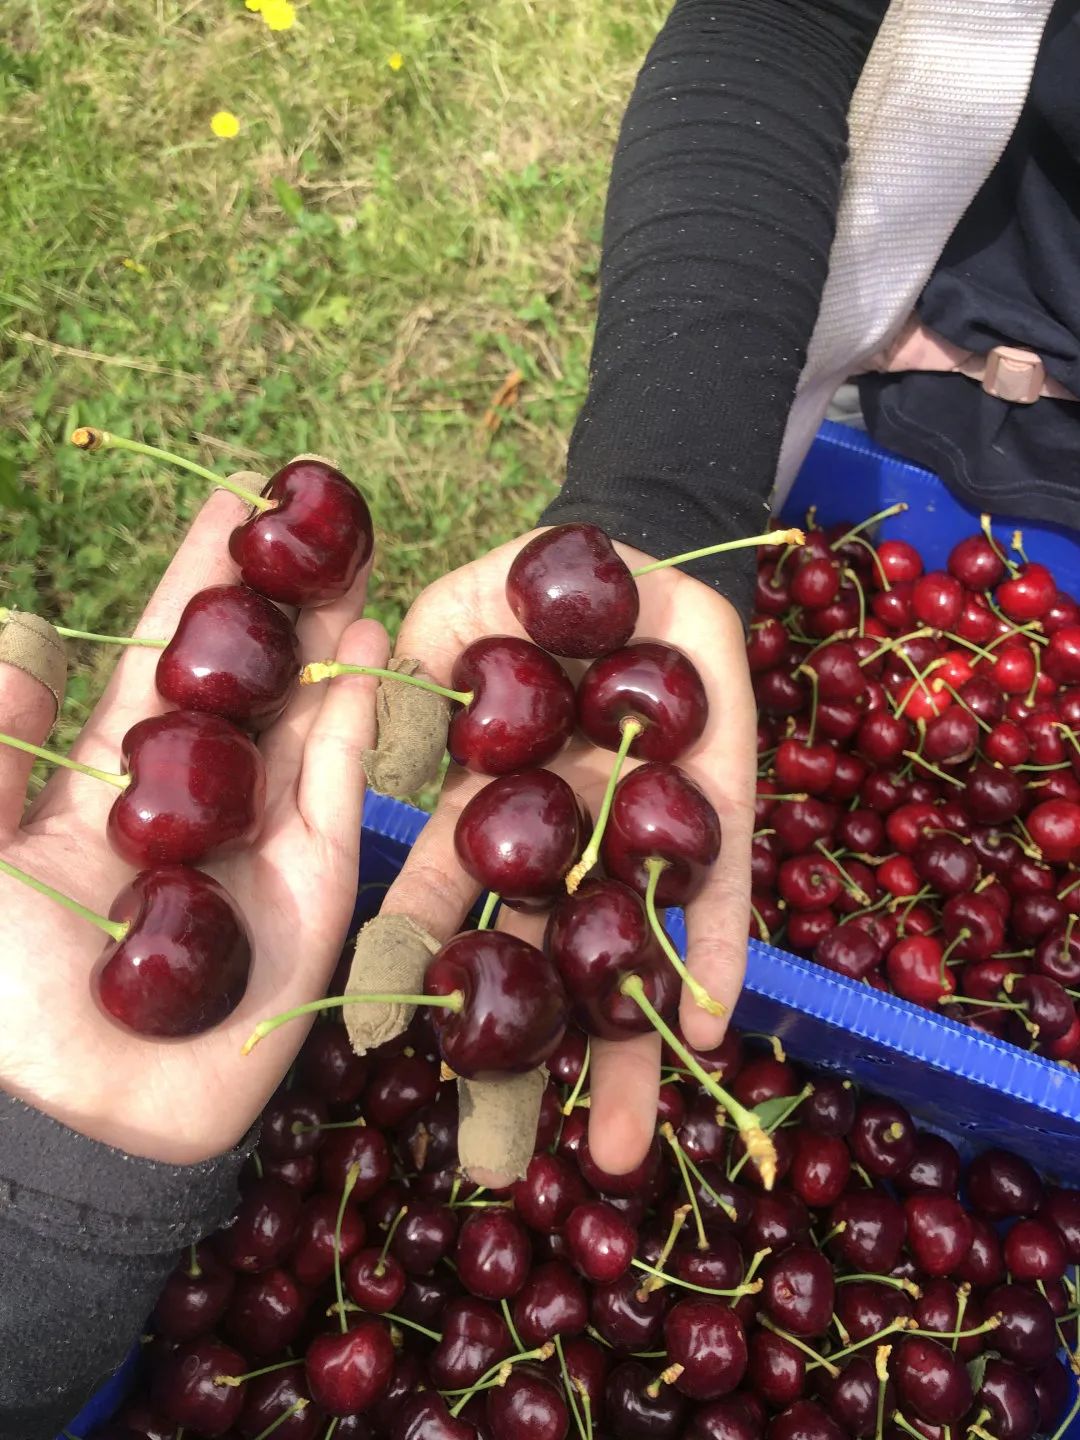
(719, 221)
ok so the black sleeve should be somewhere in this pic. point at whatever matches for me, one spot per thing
(88, 1235)
(719, 221)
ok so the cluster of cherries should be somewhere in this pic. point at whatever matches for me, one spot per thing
(364, 1290)
(192, 781)
(919, 790)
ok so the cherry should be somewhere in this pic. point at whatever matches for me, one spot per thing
(866, 1307)
(311, 1257)
(946, 864)
(531, 1404)
(474, 1338)
(899, 561)
(776, 1369)
(1011, 1398)
(820, 1168)
(1035, 1250)
(719, 1266)
(374, 1281)
(934, 1166)
(915, 970)
(521, 710)
(425, 1235)
(262, 1228)
(702, 1133)
(659, 812)
(492, 1254)
(808, 882)
(1026, 1334)
(1027, 595)
(930, 1380)
(598, 936)
(1046, 1002)
(805, 1420)
(270, 1397)
(1052, 1389)
(798, 1291)
(572, 593)
(882, 1137)
(1055, 828)
(426, 1417)
(399, 1088)
(551, 1302)
(767, 645)
(635, 1411)
(233, 654)
(830, 1109)
(777, 1220)
(938, 1308)
(195, 1296)
(1002, 1185)
(514, 1007)
(939, 1232)
(348, 1372)
(625, 1315)
(1062, 1209)
(184, 1386)
(180, 956)
(852, 1396)
(992, 795)
(291, 1125)
(546, 1196)
(426, 1297)
(705, 1337)
(362, 1146)
(874, 1230)
(649, 682)
(520, 835)
(816, 583)
(310, 544)
(976, 563)
(266, 1313)
(600, 1241)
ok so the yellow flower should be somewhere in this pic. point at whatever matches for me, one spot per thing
(278, 14)
(224, 124)
(396, 60)
(255, 5)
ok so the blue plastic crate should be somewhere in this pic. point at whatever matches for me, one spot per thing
(976, 1089)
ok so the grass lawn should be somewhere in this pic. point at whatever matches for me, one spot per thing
(409, 213)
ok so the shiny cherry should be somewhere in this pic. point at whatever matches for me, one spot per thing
(798, 1291)
(931, 1381)
(572, 593)
(551, 1302)
(658, 811)
(632, 1411)
(194, 1297)
(530, 1406)
(262, 1228)
(1002, 1185)
(939, 1232)
(600, 1241)
(349, 1372)
(520, 835)
(270, 1397)
(474, 1338)
(311, 1256)
(184, 1386)
(309, 546)
(649, 682)
(706, 1338)
(492, 1254)
(266, 1314)
(522, 710)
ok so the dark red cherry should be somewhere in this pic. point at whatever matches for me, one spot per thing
(798, 1291)
(311, 1257)
(183, 964)
(233, 653)
(865, 1307)
(548, 1193)
(1062, 1209)
(816, 583)
(931, 1381)
(776, 1369)
(520, 835)
(820, 1168)
(290, 1125)
(934, 1166)
(262, 1228)
(1035, 1250)
(426, 1416)
(600, 1241)
(1047, 1004)
(515, 1008)
(194, 1297)
(658, 811)
(530, 1405)
(551, 1302)
(805, 1420)
(625, 1315)
(939, 1232)
(830, 1109)
(266, 1313)
(373, 1282)
(184, 1386)
(849, 950)
(363, 1146)
(270, 1397)
(587, 1363)
(706, 1338)
(1055, 829)
(474, 1338)
(1029, 594)
(1026, 1334)
(400, 1087)
(310, 546)
(425, 1235)
(1002, 1185)
(653, 683)
(874, 1229)
(852, 1397)
(492, 1254)
(1053, 1386)
(522, 710)
(882, 1137)
(635, 1413)
(348, 1373)
(572, 593)
(976, 563)
(992, 795)
(1011, 1398)
(596, 937)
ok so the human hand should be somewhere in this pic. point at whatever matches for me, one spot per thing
(436, 892)
(179, 1101)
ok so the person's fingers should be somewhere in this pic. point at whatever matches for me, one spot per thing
(27, 712)
(330, 793)
(432, 888)
(319, 631)
(624, 1080)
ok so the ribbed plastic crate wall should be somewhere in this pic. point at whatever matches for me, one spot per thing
(975, 1089)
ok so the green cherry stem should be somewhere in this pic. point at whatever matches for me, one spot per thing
(672, 1139)
(116, 928)
(88, 439)
(908, 1286)
(194, 1269)
(498, 1375)
(489, 909)
(235, 1380)
(514, 1336)
(296, 1408)
(829, 1368)
(655, 867)
(380, 1264)
(579, 1083)
(657, 1277)
(758, 1145)
(7, 614)
(454, 1001)
(771, 537)
(121, 782)
(881, 1372)
(886, 514)
(568, 1386)
(629, 730)
(352, 1175)
(320, 670)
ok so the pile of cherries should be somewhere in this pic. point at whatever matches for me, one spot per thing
(364, 1290)
(919, 791)
(192, 783)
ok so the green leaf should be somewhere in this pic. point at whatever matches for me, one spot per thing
(288, 199)
(770, 1111)
(12, 495)
(977, 1368)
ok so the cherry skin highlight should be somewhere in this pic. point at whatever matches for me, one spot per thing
(309, 548)
(523, 708)
(521, 834)
(348, 1373)
(184, 963)
(658, 811)
(572, 593)
(650, 682)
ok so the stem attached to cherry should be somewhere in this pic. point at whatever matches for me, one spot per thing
(380, 1264)
(771, 537)
(488, 911)
(319, 670)
(352, 1175)
(758, 1145)
(88, 439)
(655, 867)
(121, 782)
(454, 1001)
(7, 614)
(629, 730)
(498, 1374)
(116, 928)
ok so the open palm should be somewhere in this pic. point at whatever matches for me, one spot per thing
(435, 891)
(180, 1101)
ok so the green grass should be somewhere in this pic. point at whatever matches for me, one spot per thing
(356, 273)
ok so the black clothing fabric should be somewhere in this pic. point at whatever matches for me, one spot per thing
(87, 1236)
(719, 222)
(1010, 274)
